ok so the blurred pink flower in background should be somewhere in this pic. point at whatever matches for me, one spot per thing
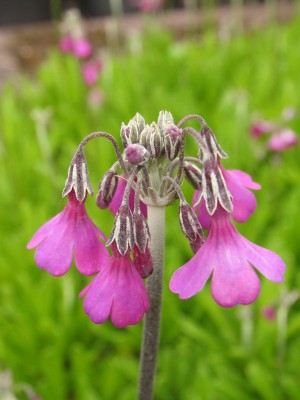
(261, 128)
(149, 5)
(80, 48)
(91, 71)
(283, 140)
(269, 313)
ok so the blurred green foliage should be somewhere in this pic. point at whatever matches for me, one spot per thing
(206, 351)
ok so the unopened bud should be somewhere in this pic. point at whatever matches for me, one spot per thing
(140, 122)
(107, 188)
(136, 154)
(193, 174)
(165, 119)
(154, 141)
(190, 225)
(172, 139)
(143, 262)
(140, 231)
(212, 148)
(78, 178)
(129, 133)
(122, 233)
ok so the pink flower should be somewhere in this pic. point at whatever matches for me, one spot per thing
(142, 262)
(243, 200)
(149, 5)
(82, 48)
(269, 313)
(283, 140)
(118, 197)
(91, 71)
(70, 231)
(261, 128)
(117, 292)
(66, 44)
(229, 257)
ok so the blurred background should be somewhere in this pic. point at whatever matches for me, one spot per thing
(71, 68)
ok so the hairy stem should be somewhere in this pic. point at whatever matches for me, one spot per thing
(151, 332)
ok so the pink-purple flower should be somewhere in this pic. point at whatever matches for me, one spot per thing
(80, 47)
(283, 140)
(243, 200)
(229, 258)
(70, 232)
(117, 292)
(91, 71)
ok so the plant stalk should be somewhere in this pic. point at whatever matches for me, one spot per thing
(151, 331)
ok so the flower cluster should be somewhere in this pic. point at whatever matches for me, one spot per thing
(149, 173)
(281, 137)
(74, 42)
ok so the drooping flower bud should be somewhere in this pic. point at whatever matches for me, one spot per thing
(214, 188)
(212, 148)
(172, 139)
(122, 233)
(190, 226)
(78, 177)
(143, 262)
(193, 174)
(136, 154)
(107, 188)
(140, 230)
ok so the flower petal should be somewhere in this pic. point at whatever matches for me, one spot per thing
(90, 253)
(192, 276)
(55, 253)
(45, 230)
(242, 178)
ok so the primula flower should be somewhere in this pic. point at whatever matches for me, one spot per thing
(70, 231)
(261, 128)
(82, 48)
(118, 197)
(243, 200)
(66, 44)
(117, 292)
(229, 257)
(149, 5)
(90, 72)
(283, 140)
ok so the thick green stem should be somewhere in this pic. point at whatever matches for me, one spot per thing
(151, 332)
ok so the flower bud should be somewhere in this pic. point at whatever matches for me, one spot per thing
(193, 175)
(143, 262)
(212, 148)
(129, 133)
(165, 119)
(154, 141)
(107, 188)
(190, 224)
(172, 139)
(140, 231)
(139, 121)
(122, 233)
(78, 178)
(136, 154)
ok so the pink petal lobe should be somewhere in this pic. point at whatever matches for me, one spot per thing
(192, 276)
(44, 231)
(90, 253)
(54, 254)
(117, 291)
(265, 261)
(243, 179)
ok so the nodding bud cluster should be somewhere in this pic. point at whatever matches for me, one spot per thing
(190, 226)
(78, 177)
(107, 188)
(153, 164)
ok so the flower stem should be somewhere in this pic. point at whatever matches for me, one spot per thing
(151, 331)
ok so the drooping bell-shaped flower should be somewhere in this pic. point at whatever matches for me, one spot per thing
(243, 200)
(283, 140)
(70, 232)
(229, 258)
(117, 292)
